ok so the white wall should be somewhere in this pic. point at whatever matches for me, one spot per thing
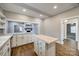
(52, 26)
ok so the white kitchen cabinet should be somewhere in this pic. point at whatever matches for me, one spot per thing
(29, 38)
(39, 48)
(19, 40)
(50, 49)
(5, 50)
(2, 26)
(43, 49)
(36, 46)
(13, 41)
(25, 39)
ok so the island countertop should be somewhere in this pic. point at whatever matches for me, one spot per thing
(4, 39)
(45, 38)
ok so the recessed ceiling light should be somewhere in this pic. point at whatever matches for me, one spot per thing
(41, 15)
(66, 21)
(55, 7)
(24, 10)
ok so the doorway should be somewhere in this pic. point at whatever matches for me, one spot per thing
(69, 29)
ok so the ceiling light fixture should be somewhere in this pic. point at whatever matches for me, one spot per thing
(24, 10)
(41, 15)
(55, 7)
(66, 21)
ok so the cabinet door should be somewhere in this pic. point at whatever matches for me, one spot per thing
(30, 38)
(41, 48)
(6, 53)
(19, 40)
(13, 41)
(5, 50)
(50, 49)
(25, 40)
(36, 47)
(9, 47)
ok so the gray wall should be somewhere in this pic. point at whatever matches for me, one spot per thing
(52, 26)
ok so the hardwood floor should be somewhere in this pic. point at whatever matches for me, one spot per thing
(24, 50)
(69, 48)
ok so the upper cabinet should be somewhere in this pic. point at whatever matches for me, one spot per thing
(2, 24)
(2, 21)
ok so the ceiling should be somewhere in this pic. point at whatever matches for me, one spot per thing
(38, 10)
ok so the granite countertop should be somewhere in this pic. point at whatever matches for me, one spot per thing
(46, 39)
(4, 39)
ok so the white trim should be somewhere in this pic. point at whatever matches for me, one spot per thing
(74, 19)
(71, 17)
(21, 20)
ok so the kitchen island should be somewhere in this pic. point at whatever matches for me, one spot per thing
(44, 45)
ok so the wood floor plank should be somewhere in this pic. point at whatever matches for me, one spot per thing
(69, 48)
(24, 50)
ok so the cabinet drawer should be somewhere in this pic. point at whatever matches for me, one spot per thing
(19, 37)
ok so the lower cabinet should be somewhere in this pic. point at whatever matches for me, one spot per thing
(5, 50)
(43, 49)
(39, 48)
(36, 47)
(21, 39)
(25, 40)
(13, 41)
(50, 49)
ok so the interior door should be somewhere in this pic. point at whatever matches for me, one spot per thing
(70, 29)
